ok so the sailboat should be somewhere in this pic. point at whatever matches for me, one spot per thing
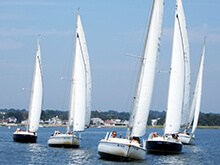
(130, 147)
(169, 142)
(80, 95)
(30, 135)
(185, 137)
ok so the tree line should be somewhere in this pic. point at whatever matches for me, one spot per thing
(205, 119)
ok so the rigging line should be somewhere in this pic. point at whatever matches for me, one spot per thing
(84, 62)
(126, 96)
(181, 36)
(83, 57)
(67, 75)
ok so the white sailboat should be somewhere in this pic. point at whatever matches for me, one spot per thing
(130, 148)
(188, 138)
(30, 135)
(80, 94)
(169, 142)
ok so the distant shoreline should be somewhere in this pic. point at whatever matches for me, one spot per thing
(51, 125)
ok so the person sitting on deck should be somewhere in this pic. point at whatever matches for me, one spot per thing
(155, 134)
(56, 133)
(174, 136)
(114, 134)
(135, 139)
(19, 129)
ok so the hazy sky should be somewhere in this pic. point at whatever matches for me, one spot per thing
(112, 28)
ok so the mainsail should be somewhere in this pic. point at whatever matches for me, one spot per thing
(144, 88)
(198, 90)
(36, 94)
(187, 74)
(80, 96)
(176, 84)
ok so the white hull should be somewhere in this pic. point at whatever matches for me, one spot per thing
(186, 139)
(117, 148)
(64, 140)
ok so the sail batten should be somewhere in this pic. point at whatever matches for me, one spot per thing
(145, 84)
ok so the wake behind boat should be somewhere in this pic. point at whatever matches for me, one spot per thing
(130, 147)
(80, 95)
(30, 135)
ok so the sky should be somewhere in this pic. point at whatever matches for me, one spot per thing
(112, 28)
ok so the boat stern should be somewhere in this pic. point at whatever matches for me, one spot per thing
(64, 140)
(24, 136)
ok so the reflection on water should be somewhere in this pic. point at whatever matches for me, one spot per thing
(205, 151)
(193, 148)
(35, 152)
(170, 159)
(77, 156)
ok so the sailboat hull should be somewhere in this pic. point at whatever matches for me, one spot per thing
(164, 145)
(186, 139)
(64, 141)
(25, 137)
(119, 149)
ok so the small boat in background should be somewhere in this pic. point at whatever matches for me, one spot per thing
(186, 137)
(30, 134)
(80, 95)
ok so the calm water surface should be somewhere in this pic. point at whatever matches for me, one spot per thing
(205, 151)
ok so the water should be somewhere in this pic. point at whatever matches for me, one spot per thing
(205, 151)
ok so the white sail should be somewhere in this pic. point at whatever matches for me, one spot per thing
(198, 90)
(185, 40)
(79, 85)
(147, 69)
(36, 94)
(195, 103)
(88, 72)
(176, 85)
